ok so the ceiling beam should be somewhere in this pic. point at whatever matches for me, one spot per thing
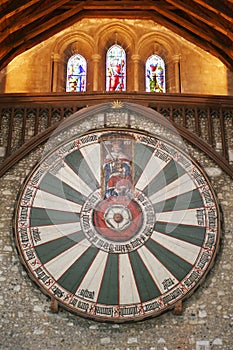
(2, 3)
(208, 24)
(19, 8)
(227, 59)
(188, 26)
(212, 21)
(32, 14)
(220, 10)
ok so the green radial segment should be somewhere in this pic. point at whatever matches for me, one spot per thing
(72, 278)
(188, 200)
(109, 292)
(191, 234)
(79, 165)
(53, 185)
(142, 154)
(50, 250)
(171, 172)
(44, 217)
(146, 286)
(176, 265)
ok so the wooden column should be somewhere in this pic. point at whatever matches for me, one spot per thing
(136, 60)
(96, 59)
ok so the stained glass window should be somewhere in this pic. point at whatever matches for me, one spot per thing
(155, 74)
(76, 74)
(116, 69)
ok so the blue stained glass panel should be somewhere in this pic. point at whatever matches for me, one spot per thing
(155, 74)
(76, 74)
(116, 69)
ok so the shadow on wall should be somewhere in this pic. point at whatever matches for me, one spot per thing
(229, 82)
(2, 80)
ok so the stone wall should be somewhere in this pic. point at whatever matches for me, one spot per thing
(43, 68)
(27, 321)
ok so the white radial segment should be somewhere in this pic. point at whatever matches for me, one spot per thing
(67, 175)
(153, 167)
(93, 278)
(185, 250)
(49, 201)
(127, 286)
(62, 262)
(91, 154)
(184, 217)
(182, 185)
(50, 232)
(157, 270)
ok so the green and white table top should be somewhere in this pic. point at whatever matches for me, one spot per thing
(117, 224)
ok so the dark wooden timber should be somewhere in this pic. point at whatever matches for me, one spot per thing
(44, 112)
(206, 23)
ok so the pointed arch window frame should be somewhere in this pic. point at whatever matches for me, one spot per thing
(76, 82)
(155, 73)
(116, 68)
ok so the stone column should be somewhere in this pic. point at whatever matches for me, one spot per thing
(96, 59)
(176, 60)
(136, 60)
(56, 60)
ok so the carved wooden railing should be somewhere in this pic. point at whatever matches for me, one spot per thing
(27, 120)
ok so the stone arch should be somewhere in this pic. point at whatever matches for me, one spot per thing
(64, 48)
(164, 46)
(108, 35)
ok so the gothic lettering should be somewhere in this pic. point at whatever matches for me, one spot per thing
(198, 177)
(200, 217)
(192, 278)
(57, 292)
(161, 155)
(85, 293)
(23, 214)
(151, 306)
(168, 283)
(104, 310)
(23, 234)
(83, 306)
(210, 240)
(35, 179)
(172, 296)
(28, 195)
(36, 234)
(212, 218)
(133, 310)
(89, 138)
(203, 260)
(169, 150)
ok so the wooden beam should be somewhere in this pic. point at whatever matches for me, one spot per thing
(3, 2)
(225, 57)
(17, 10)
(158, 10)
(51, 23)
(212, 21)
(32, 14)
(64, 99)
(187, 25)
(223, 11)
(23, 34)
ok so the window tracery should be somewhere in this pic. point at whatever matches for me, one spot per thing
(76, 74)
(116, 69)
(155, 74)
